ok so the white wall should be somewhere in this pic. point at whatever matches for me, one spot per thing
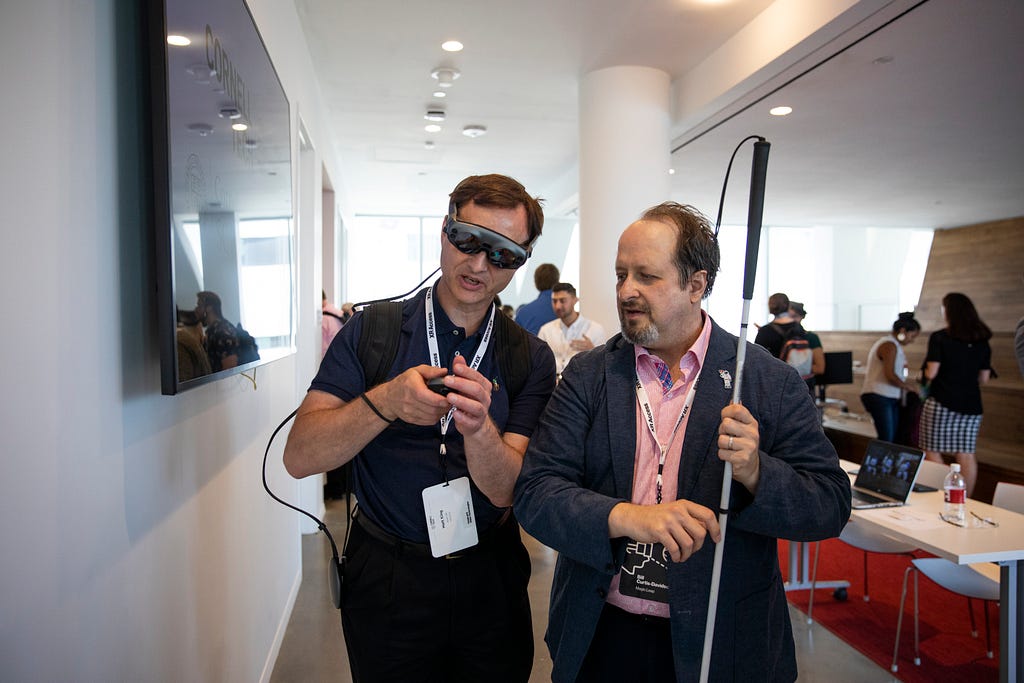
(137, 543)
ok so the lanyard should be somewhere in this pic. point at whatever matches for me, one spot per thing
(645, 403)
(435, 360)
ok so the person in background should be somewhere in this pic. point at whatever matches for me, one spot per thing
(772, 338)
(883, 377)
(569, 333)
(537, 312)
(958, 362)
(192, 359)
(221, 337)
(416, 608)
(622, 474)
(331, 321)
(798, 313)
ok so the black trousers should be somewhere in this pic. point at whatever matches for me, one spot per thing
(408, 616)
(629, 647)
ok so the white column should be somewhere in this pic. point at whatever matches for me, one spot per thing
(624, 162)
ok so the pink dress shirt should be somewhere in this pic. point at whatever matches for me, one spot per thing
(666, 404)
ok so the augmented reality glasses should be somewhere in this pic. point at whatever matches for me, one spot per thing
(470, 238)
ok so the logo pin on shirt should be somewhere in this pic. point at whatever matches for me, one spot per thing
(726, 378)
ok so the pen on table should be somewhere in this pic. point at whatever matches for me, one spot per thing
(947, 520)
(986, 520)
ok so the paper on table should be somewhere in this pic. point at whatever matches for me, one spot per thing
(907, 518)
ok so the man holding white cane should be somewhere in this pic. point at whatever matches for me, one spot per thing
(624, 475)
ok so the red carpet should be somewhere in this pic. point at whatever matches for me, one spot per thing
(948, 652)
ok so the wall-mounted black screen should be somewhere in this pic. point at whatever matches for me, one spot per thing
(223, 190)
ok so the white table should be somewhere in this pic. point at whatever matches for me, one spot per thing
(918, 523)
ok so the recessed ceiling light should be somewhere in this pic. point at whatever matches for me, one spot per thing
(885, 59)
(201, 73)
(239, 126)
(445, 75)
(440, 94)
(434, 114)
(432, 128)
(780, 111)
(229, 112)
(451, 46)
(671, 171)
(474, 130)
(202, 129)
(178, 41)
(429, 144)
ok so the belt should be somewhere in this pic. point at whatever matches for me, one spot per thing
(412, 549)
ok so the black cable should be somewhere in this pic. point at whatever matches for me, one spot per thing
(725, 182)
(400, 296)
(320, 525)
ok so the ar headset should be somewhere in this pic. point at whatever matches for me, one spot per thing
(468, 238)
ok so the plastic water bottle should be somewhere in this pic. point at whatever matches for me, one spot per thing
(955, 494)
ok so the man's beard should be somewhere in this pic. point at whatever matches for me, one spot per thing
(644, 334)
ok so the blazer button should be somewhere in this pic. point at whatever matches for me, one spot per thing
(602, 593)
(610, 567)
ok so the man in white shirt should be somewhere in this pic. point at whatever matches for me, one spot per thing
(569, 333)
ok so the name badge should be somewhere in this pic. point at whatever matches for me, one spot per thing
(645, 572)
(451, 521)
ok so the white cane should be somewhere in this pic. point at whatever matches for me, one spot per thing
(756, 207)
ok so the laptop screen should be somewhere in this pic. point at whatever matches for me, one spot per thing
(889, 469)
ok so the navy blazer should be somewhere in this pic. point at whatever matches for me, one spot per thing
(579, 465)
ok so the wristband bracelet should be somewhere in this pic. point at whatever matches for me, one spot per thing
(376, 412)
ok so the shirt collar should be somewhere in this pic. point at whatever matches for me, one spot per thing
(691, 361)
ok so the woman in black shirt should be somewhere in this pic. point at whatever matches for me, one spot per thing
(957, 364)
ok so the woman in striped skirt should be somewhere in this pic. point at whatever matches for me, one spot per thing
(957, 364)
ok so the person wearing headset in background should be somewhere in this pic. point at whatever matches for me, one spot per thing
(624, 480)
(407, 614)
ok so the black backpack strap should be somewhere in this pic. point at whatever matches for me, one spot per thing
(513, 349)
(335, 316)
(378, 343)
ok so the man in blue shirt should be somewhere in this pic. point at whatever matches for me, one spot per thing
(421, 602)
(533, 315)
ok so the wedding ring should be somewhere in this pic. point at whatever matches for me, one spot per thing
(730, 443)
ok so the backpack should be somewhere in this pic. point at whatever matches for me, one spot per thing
(248, 351)
(378, 346)
(796, 350)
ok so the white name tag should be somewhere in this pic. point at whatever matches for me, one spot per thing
(451, 521)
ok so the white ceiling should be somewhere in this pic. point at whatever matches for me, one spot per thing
(924, 140)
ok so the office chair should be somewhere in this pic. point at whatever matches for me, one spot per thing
(979, 580)
(867, 541)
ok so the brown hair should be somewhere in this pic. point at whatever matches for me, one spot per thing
(778, 303)
(962, 319)
(564, 287)
(696, 244)
(545, 277)
(502, 192)
(212, 300)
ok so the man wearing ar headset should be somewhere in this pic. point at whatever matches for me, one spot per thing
(436, 574)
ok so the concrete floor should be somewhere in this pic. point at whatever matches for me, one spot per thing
(313, 648)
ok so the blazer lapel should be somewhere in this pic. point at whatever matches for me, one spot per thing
(620, 376)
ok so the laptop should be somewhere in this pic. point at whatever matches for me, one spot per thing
(886, 475)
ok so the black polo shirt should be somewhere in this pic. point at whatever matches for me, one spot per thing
(394, 468)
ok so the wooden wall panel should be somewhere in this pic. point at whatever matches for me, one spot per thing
(985, 262)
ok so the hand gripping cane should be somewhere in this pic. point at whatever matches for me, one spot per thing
(756, 207)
